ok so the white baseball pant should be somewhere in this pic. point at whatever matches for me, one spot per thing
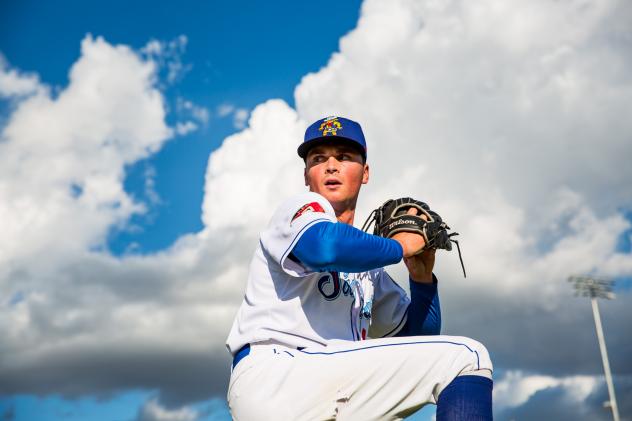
(377, 379)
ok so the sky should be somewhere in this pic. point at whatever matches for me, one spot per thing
(143, 147)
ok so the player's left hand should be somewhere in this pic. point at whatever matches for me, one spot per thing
(420, 266)
(398, 218)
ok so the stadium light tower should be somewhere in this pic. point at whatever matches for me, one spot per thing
(588, 286)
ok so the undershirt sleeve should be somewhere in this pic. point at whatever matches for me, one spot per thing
(327, 246)
(424, 310)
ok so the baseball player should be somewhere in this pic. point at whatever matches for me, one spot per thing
(324, 332)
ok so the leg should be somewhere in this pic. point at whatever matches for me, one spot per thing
(388, 378)
(466, 398)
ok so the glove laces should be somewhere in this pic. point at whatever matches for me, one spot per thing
(369, 221)
(458, 248)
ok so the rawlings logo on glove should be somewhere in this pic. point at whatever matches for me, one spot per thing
(393, 217)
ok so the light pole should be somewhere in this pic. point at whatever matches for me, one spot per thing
(588, 286)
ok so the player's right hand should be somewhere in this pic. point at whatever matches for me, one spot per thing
(412, 243)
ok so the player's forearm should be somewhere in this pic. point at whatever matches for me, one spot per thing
(327, 246)
(424, 311)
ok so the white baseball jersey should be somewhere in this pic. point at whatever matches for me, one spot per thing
(287, 303)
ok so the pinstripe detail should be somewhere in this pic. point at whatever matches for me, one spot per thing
(343, 351)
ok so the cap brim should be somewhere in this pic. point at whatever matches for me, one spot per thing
(304, 147)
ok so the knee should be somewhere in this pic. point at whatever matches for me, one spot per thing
(476, 354)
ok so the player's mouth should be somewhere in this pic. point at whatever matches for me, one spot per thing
(332, 183)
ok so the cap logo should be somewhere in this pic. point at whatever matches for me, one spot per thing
(330, 126)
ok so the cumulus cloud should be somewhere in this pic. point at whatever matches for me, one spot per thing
(509, 118)
(514, 133)
(191, 116)
(150, 185)
(243, 158)
(62, 159)
(185, 128)
(199, 113)
(14, 83)
(568, 403)
(516, 388)
(518, 136)
(240, 118)
(153, 411)
(168, 54)
(68, 308)
(225, 109)
(240, 115)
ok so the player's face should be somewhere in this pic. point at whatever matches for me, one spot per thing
(336, 172)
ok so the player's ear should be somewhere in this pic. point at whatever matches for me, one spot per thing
(365, 174)
(305, 175)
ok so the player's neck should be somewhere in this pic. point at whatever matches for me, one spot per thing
(345, 215)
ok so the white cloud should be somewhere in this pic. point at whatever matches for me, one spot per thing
(153, 47)
(153, 411)
(150, 185)
(185, 128)
(225, 109)
(518, 138)
(240, 118)
(168, 55)
(500, 122)
(62, 159)
(240, 115)
(14, 83)
(516, 388)
(201, 114)
(62, 164)
(249, 172)
(514, 129)
(197, 112)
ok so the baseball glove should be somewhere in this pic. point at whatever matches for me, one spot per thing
(392, 217)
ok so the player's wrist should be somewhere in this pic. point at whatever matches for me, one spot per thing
(397, 246)
(424, 278)
(423, 287)
(411, 243)
(402, 245)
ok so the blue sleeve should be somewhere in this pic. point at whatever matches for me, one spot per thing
(424, 310)
(328, 246)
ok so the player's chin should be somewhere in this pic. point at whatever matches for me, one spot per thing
(335, 195)
(329, 189)
(333, 188)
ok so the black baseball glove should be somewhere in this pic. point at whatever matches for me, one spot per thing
(392, 217)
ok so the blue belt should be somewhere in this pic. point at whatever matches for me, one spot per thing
(243, 351)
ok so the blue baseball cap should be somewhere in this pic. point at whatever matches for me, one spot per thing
(333, 129)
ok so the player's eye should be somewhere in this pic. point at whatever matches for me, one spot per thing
(344, 157)
(316, 159)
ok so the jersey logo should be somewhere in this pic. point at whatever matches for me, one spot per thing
(330, 286)
(310, 207)
(330, 126)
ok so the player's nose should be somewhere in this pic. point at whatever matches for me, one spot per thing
(332, 164)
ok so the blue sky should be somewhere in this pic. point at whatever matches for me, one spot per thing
(128, 215)
(238, 52)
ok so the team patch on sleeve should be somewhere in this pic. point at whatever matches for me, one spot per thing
(310, 207)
